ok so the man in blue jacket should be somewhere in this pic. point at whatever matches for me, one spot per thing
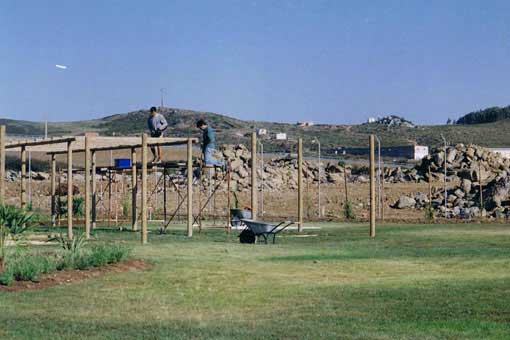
(208, 144)
(157, 125)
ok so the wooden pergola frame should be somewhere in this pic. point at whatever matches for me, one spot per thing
(90, 178)
(90, 168)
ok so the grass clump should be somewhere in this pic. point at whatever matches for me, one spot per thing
(72, 255)
(28, 268)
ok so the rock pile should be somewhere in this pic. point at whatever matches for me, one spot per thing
(394, 121)
(466, 168)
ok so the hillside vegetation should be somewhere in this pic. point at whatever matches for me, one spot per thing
(489, 115)
(231, 130)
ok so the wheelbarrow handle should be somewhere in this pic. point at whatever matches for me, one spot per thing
(289, 223)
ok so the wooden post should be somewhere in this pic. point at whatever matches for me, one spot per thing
(144, 188)
(2, 164)
(94, 190)
(164, 195)
(134, 191)
(87, 187)
(53, 164)
(300, 184)
(372, 186)
(345, 184)
(480, 187)
(254, 175)
(430, 186)
(59, 196)
(229, 227)
(382, 192)
(23, 177)
(69, 190)
(110, 192)
(189, 165)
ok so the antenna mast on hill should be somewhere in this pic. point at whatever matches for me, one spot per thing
(162, 91)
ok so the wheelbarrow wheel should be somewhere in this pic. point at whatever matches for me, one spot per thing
(247, 236)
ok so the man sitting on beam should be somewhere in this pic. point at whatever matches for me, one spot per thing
(208, 144)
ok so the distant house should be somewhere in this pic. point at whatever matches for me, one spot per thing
(504, 152)
(281, 136)
(414, 152)
(304, 123)
(261, 132)
(371, 120)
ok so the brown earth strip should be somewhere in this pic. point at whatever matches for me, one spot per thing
(70, 276)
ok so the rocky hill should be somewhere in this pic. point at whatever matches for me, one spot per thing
(233, 131)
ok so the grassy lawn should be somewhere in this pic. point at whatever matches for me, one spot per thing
(412, 281)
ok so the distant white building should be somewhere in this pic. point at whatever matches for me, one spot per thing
(420, 152)
(504, 152)
(281, 136)
(415, 152)
(261, 132)
(304, 123)
(371, 120)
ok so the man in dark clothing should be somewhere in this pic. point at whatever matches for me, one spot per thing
(157, 125)
(208, 144)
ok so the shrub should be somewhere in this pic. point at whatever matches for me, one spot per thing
(78, 204)
(28, 268)
(102, 254)
(16, 220)
(429, 213)
(6, 278)
(13, 222)
(348, 211)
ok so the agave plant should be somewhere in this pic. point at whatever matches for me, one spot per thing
(13, 222)
(71, 245)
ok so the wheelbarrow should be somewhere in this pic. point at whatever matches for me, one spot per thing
(255, 229)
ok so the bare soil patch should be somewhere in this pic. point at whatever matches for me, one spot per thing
(70, 276)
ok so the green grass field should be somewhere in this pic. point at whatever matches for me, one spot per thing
(411, 282)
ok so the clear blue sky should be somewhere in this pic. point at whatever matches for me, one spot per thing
(327, 61)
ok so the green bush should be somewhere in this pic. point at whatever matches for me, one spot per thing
(102, 254)
(429, 213)
(6, 278)
(348, 211)
(27, 268)
(78, 206)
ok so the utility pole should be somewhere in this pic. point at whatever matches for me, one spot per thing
(162, 93)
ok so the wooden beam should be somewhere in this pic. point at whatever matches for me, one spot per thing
(87, 187)
(190, 187)
(372, 186)
(94, 190)
(2, 164)
(154, 141)
(36, 142)
(254, 175)
(134, 190)
(69, 190)
(144, 188)
(23, 177)
(53, 175)
(300, 184)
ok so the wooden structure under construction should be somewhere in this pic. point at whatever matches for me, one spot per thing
(92, 144)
